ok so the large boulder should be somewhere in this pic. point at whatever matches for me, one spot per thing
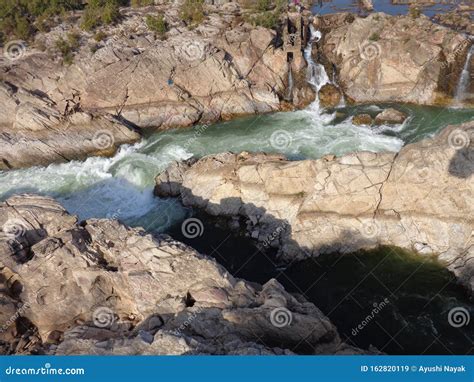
(421, 199)
(330, 96)
(390, 116)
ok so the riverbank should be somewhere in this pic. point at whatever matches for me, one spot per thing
(223, 68)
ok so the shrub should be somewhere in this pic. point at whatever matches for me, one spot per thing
(192, 12)
(263, 5)
(374, 37)
(100, 12)
(141, 3)
(68, 47)
(22, 18)
(157, 24)
(414, 12)
(99, 36)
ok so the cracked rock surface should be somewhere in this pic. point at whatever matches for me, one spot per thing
(100, 287)
(421, 199)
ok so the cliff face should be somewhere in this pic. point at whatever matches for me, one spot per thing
(102, 288)
(420, 199)
(385, 58)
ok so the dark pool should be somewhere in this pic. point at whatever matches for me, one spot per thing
(399, 302)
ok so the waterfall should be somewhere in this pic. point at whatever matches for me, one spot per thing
(317, 78)
(317, 75)
(290, 82)
(464, 80)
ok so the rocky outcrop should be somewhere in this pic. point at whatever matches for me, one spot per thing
(385, 58)
(34, 132)
(459, 19)
(420, 199)
(220, 69)
(101, 288)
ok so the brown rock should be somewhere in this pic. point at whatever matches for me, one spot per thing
(390, 117)
(362, 119)
(330, 96)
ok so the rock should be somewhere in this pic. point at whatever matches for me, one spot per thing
(34, 132)
(390, 117)
(459, 19)
(330, 96)
(100, 287)
(384, 58)
(218, 70)
(362, 119)
(367, 4)
(421, 198)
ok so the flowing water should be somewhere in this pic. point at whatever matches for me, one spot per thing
(121, 187)
(465, 78)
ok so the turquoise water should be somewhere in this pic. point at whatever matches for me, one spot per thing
(122, 186)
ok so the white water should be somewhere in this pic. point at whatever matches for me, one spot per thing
(122, 187)
(464, 80)
(290, 81)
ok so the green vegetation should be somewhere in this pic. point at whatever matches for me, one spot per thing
(101, 12)
(68, 47)
(192, 12)
(141, 3)
(414, 12)
(22, 18)
(266, 13)
(157, 24)
(374, 37)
